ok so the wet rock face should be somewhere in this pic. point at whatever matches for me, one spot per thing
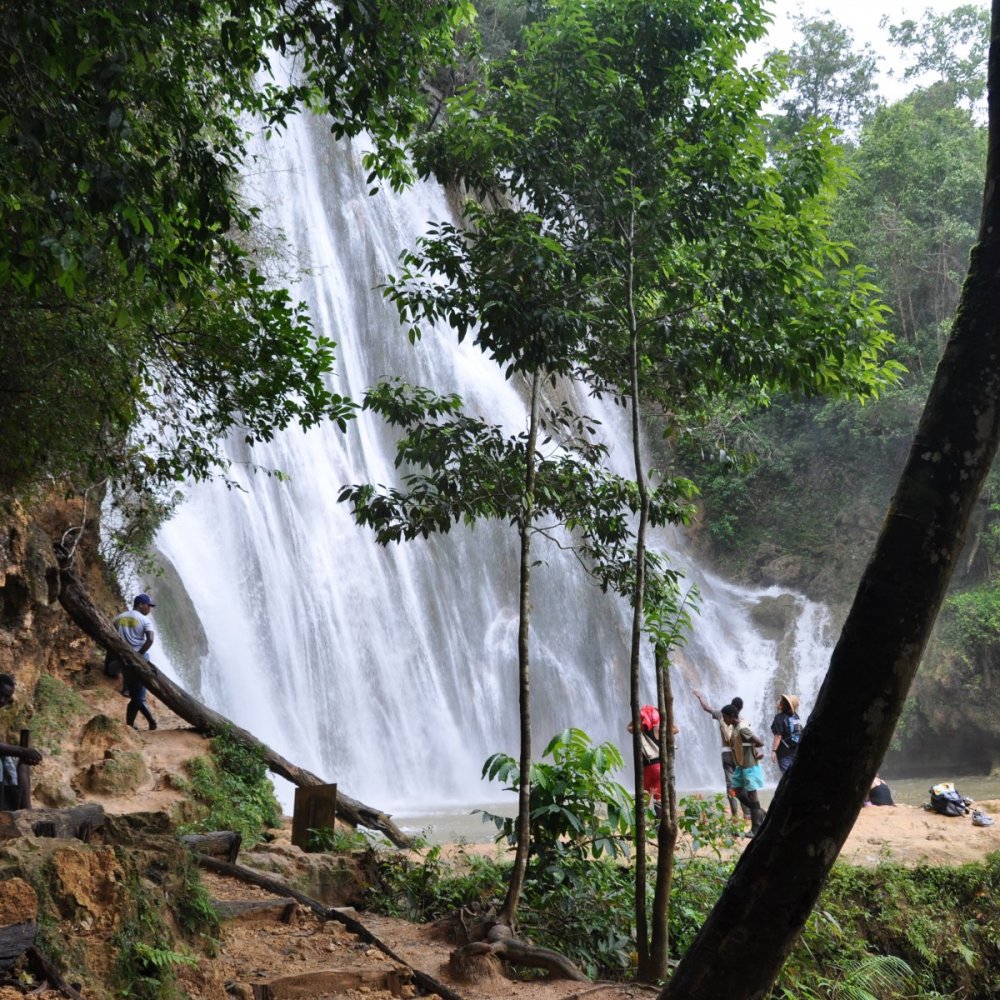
(775, 616)
(782, 570)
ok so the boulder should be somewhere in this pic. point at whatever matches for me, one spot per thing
(120, 772)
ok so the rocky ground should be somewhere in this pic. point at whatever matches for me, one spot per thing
(288, 951)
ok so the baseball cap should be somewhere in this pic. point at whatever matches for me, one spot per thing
(144, 599)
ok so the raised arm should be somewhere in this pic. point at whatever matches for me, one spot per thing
(714, 712)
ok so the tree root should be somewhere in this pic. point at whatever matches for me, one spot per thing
(501, 943)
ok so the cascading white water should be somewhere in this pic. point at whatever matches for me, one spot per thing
(393, 672)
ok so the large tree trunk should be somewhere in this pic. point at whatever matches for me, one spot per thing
(739, 951)
(94, 623)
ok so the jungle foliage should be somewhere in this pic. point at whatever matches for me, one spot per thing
(630, 229)
(577, 809)
(137, 328)
(925, 932)
(910, 209)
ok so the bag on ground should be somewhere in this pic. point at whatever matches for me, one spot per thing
(947, 801)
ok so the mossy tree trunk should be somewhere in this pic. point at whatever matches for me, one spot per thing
(740, 949)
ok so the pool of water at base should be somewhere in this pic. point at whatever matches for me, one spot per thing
(467, 826)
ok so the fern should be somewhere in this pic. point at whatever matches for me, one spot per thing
(879, 977)
(162, 958)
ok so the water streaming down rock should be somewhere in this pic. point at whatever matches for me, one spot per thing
(393, 671)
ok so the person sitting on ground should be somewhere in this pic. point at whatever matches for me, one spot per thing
(879, 794)
(136, 628)
(14, 758)
(728, 764)
(748, 775)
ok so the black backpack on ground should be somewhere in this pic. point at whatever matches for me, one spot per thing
(946, 800)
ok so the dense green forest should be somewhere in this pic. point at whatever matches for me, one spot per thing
(794, 492)
(761, 264)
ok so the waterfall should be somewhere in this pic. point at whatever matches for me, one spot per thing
(394, 671)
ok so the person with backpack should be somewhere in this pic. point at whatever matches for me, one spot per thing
(728, 764)
(787, 729)
(649, 722)
(748, 775)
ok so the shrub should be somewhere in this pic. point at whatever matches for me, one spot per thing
(576, 809)
(233, 790)
(57, 707)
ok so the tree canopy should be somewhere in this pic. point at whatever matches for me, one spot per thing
(136, 327)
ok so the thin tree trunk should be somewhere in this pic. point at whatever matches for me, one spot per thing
(94, 623)
(509, 909)
(638, 607)
(739, 951)
(666, 830)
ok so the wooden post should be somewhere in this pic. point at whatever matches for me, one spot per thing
(24, 774)
(315, 807)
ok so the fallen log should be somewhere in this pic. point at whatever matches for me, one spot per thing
(93, 622)
(422, 979)
(64, 824)
(223, 844)
(236, 909)
(15, 940)
(335, 982)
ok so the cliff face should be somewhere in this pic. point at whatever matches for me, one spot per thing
(951, 724)
(36, 636)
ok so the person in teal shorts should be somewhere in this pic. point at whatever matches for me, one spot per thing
(748, 775)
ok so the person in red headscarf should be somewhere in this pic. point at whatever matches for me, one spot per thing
(649, 721)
